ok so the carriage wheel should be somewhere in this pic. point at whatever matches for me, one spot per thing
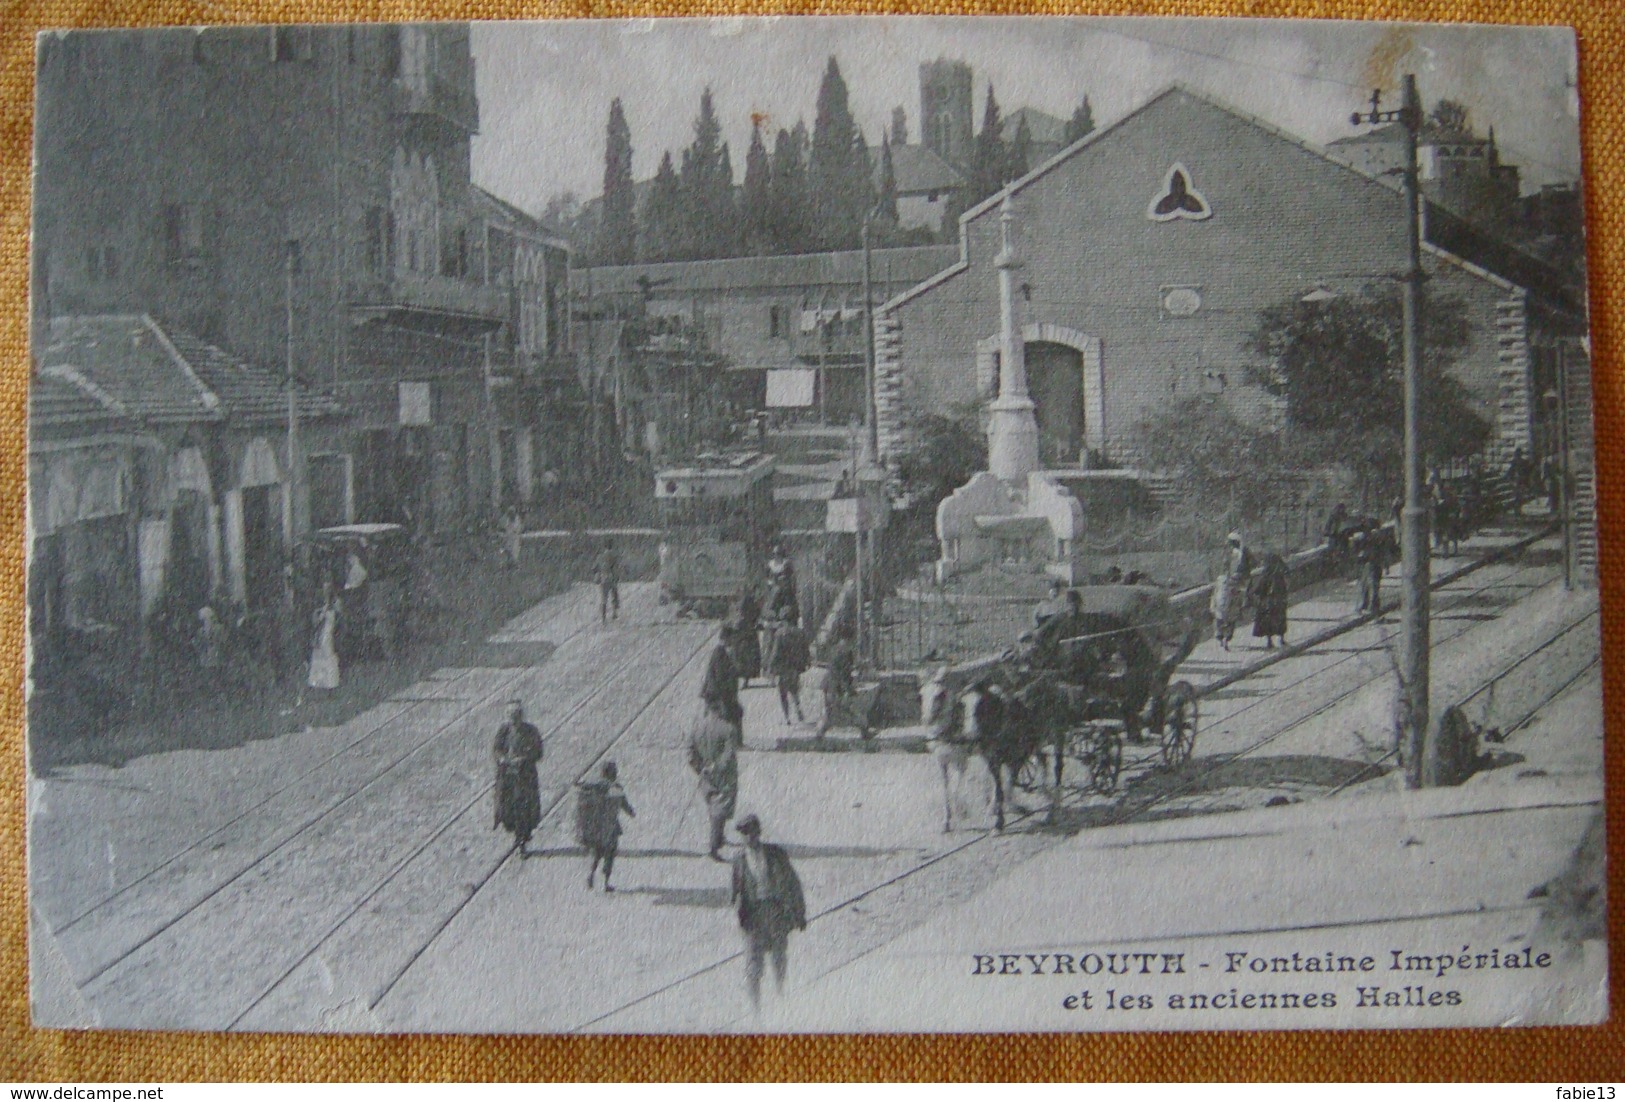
(1179, 724)
(1102, 757)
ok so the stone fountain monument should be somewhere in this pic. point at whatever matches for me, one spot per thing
(1013, 511)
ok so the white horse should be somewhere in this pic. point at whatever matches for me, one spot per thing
(974, 720)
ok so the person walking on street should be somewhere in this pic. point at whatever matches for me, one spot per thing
(599, 805)
(746, 646)
(518, 803)
(1270, 592)
(767, 894)
(513, 536)
(713, 755)
(1368, 559)
(720, 688)
(790, 661)
(324, 657)
(606, 571)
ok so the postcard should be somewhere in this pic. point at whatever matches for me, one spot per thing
(812, 525)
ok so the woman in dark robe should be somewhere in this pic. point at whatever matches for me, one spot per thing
(518, 793)
(746, 646)
(1270, 592)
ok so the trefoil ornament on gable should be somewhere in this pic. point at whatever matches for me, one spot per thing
(1178, 199)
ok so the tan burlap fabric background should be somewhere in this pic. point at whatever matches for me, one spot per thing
(1549, 1054)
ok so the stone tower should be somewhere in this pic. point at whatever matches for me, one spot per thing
(945, 109)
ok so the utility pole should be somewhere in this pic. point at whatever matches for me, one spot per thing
(290, 504)
(1414, 543)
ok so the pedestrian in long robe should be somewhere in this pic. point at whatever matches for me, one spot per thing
(518, 797)
(713, 755)
(1226, 607)
(720, 688)
(770, 903)
(746, 647)
(513, 535)
(1270, 592)
(324, 655)
(606, 571)
(599, 804)
(1369, 562)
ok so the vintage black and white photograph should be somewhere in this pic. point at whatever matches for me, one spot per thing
(799, 525)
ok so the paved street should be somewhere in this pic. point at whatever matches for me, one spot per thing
(349, 878)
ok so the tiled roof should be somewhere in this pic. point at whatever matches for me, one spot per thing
(245, 392)
(55, 399)
(760, 272)
(160, 374)
(918, 170)
(1042, 127)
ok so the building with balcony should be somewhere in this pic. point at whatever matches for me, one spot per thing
(789, 329)
(299, 197)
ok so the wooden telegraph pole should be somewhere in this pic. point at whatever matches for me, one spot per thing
(1412, 730)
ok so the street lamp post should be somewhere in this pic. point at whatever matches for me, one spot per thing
(1414, 544)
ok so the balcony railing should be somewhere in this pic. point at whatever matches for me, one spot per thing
(439, 98)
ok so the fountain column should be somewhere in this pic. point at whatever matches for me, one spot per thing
(1012, 432)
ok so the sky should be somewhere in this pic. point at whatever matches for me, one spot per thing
(545, 87)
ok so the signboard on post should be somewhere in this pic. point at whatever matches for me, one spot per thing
(854, 514)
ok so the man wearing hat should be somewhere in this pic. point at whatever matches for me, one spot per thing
(767, 893)
(713, 755)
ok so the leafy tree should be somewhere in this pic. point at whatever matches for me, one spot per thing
(756, 198)
(944, 451)
(838, 173)
(790, 201)
(1216, 456)
(1448, 119)
(1339, 367)
(664, 233)
(617, 230)
(1081, 124)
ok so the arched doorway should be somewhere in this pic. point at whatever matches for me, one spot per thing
(1055, 382)
(1066, 382)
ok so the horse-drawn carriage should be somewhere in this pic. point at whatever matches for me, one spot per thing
(1080, 686)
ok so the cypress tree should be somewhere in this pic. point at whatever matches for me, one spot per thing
(617, 228)
(899, 125)
(837, 168)
(756, 198)
(663, 230)
(788, 220)
(1082, 122)
(707, 188)
(1019, 162)
(888, 186)
(989, 159)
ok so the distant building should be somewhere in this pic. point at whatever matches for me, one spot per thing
(946, 110)
(1460, 171)
(302, 195)
(1046, 133)
(788, 329)
(926, 186)
(1149, 251)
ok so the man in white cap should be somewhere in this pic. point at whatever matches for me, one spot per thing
(767, 893)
